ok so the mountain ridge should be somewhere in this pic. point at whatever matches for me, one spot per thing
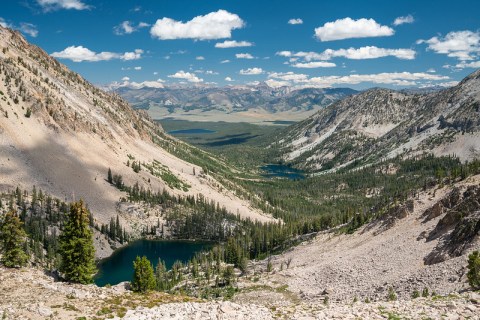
(380, 123)
(232, 99)
(61, 134)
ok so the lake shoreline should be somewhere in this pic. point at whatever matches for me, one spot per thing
(118, 267)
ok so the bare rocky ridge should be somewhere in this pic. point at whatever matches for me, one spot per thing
(60, 133)
(380, 123)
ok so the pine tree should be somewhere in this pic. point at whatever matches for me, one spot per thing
(12, 237)
(113, 229)
(229, 275)
(34, 196)
(143, 277)
(161, 276)
(473, 274)
(118, 230)
(110, 177)
(76, 246)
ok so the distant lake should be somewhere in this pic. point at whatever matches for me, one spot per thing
(119, 266)
(282, 122)
(191, 131)
(282, 171)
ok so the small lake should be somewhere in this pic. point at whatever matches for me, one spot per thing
(282, 171)
(119, 266)
(191, 131)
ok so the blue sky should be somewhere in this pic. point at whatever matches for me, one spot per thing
(357, 44)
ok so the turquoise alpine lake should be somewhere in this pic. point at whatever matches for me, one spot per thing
(282, 171)
(119, 266)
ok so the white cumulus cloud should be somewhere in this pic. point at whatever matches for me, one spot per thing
(463, 45)
(126, 27)
(29, 28)
(233, 44)
(394, 78)
(295, 21)
(80, 53)
(200, 58)
(403, 20)
(289, 76)
(137, 54)
(190, 77)
(243, 56)
(251, 71)
(225, 61)
(51, 5)
(368, 52)
(228, 79)
(348, 28)
(314, 64)
(215, 25)
(463, 65)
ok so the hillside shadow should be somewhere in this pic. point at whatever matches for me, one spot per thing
(52, 167)
(239, 139)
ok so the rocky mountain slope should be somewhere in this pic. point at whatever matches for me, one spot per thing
(381, 123)
(260, 99)
(61, 134)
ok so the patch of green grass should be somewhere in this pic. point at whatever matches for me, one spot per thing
(162, 171)
(283, 288)
(70, 307)
(393, 316)
(104, 311)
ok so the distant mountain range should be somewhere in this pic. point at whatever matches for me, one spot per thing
(231, 99)
(380, 123)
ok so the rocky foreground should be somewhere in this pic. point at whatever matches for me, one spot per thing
(30, 294)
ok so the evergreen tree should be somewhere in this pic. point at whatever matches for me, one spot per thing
(12, 237)
(113, 229)
(118, 230)
(473, 274)
(161, 276)
(34, 196)
(143, 277)
(110, 177)
(229, 275)
(76, 246)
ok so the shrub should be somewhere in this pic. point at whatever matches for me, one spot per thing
(473, 274)
(425, 292)
(392, 296)
(415, 294)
